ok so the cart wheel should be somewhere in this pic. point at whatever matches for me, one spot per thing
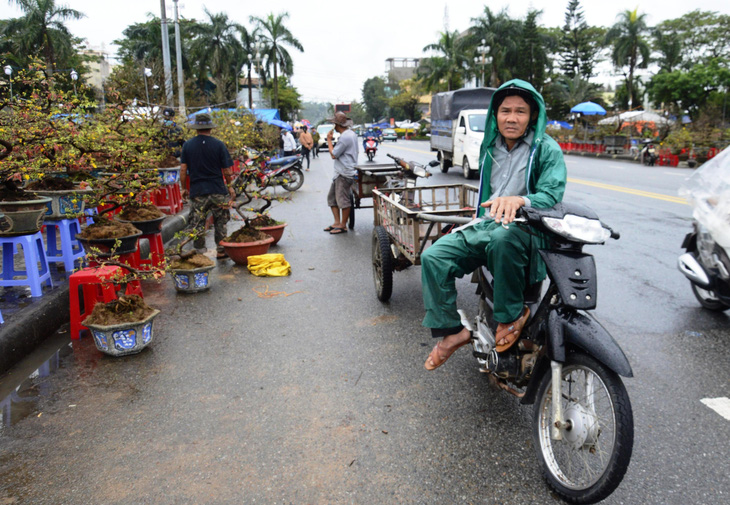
(353, 204)
(382, 264)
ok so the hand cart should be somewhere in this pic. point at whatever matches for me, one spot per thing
(369, 177)
(401, 231)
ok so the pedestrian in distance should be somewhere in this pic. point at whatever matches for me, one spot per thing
(206, 161)
(306, 141)
(315, 143)
(519, 166)
(345, 155)
(290, 145)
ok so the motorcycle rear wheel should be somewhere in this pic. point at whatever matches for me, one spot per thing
(708, 299)
(591, 460)
(292, 179)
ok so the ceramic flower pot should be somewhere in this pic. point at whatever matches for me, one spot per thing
(123, 339)
(65, 204)
(128, 244)
(146, 227)
(276, 231)
(240, 251)
(192, 280)
(22, 217)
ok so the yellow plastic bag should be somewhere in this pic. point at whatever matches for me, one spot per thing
(269, 265)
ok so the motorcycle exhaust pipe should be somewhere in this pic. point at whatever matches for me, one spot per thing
(691, 268)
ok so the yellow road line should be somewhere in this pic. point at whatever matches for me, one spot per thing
(412, 150)
(647, 194)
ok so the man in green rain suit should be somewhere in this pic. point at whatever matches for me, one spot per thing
(519, 166)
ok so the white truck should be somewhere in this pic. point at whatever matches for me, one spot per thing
(457, 127)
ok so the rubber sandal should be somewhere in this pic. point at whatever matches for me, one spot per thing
(515, 328)
(330, 228)
(441, 354)
(337, 231)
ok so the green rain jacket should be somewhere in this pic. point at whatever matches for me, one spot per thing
(546, 172)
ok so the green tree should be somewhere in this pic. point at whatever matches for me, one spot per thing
(450, 66)
(531, 66)
(565, 92)
(277, 37)
(704, 36)
(358, 114)
(374, 98)
(249, 48)
(578, 43)
(502, 35)
(215, 51)
(289, 98)
(630, 49)
(41, 31)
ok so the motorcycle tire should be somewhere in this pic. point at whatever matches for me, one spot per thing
(382, 264)
(708, 300)
(371, 155)
(292, 179)
(592, 459)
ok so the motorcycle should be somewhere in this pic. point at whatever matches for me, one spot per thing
(285, 171)
(371, 147)
(584, 441)
(706, 262)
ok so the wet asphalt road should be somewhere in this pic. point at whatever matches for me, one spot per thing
(308, 390)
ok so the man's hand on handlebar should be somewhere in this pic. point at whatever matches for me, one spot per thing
(504, 208)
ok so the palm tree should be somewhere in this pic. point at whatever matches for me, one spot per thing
(450, 66)
(249, 48)
(216, 49)
(501, 34)
(626, 36)
(41, 30)
(275, 35)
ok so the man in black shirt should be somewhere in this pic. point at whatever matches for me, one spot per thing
(206, 160)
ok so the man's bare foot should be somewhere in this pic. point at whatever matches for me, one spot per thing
(445, 348)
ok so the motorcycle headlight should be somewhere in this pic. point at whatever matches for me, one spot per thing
(580, 229)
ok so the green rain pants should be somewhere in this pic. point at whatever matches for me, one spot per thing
(504, 251)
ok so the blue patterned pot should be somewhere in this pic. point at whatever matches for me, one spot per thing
(192, 281)
(65, 204)
(169, 175)
(123, 339)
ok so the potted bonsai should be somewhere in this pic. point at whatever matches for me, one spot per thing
(190, 269)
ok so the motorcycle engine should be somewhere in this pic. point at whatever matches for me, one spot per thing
(711, 255)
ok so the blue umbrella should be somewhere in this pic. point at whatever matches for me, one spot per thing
(280, 124)
(589, 109)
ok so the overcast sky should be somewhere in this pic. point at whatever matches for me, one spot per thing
(347, 42)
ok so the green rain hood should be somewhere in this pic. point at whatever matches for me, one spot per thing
(546, 172)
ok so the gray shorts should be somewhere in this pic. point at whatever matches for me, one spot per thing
(339, 195)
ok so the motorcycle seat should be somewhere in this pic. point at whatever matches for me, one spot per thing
(285, 160)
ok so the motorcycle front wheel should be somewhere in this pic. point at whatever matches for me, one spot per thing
(708, 299)
(292, 179)
(590, 461)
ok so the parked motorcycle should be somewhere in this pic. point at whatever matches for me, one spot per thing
(584, 441)
(285, 171)
(371, 147)
(706, 262)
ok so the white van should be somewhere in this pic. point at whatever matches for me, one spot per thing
(323, 131)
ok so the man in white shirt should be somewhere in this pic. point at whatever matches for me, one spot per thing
(290, 145)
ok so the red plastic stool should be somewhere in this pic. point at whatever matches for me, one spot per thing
(97, 284)
(134, 260)
(168, 198)
(157, 252)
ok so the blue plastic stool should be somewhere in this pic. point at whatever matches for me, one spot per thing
(34, 254)
(90, 212)
(71, 249)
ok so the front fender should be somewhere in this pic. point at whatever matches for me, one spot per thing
(579, 329)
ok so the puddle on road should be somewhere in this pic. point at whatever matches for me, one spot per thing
(25, 384)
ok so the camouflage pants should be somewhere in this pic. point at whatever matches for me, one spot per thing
(199, 208)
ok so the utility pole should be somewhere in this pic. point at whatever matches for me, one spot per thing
(178, 54)
(166, 54)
